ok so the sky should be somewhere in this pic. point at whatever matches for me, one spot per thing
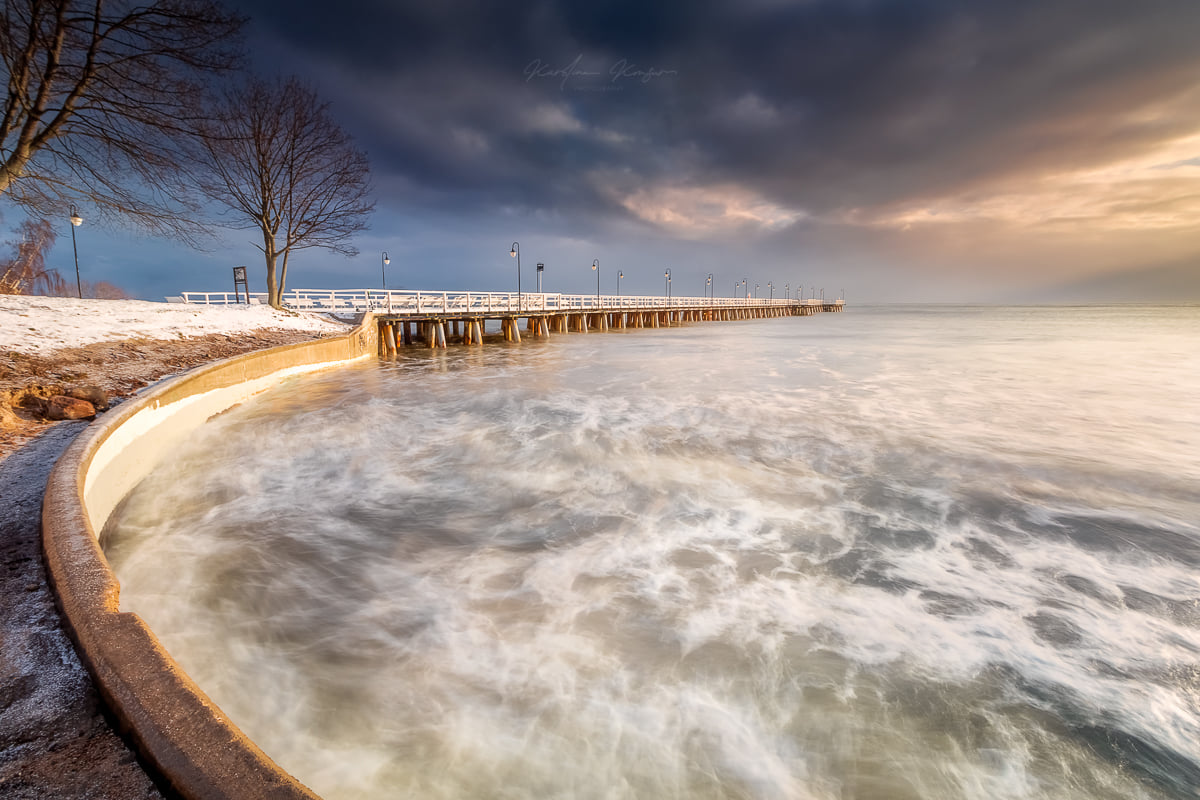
(910, 151)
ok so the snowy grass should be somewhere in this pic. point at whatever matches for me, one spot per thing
(41, 325)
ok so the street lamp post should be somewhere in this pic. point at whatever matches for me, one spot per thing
(596, 269)
(516, 253)
(771, 286)
(619, 276)
(708, 288)
(756, 291)
(667, 283)
(383, 267)
(76, 221)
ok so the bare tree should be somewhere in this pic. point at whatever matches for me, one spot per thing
(26, 271)
(103, 290)
(99, 94)
(275, 156)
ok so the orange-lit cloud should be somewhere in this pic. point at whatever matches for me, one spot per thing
(698, 211)
(1159, 189)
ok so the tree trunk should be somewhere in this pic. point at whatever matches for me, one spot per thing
(273, 292)
(283, 275)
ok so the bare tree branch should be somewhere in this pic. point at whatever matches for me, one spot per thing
(100, 95)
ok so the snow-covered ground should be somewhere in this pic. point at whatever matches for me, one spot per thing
(40, 325)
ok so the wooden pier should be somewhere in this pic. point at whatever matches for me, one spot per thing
(437, 319)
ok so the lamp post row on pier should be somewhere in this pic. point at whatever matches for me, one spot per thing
(515, 252)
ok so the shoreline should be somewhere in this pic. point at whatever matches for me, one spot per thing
(56, 738)
(119, 368)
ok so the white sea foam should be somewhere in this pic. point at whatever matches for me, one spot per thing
(888, 554)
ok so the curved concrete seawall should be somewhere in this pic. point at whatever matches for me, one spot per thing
(195, 749)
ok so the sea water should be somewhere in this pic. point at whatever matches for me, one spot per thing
(898, 552)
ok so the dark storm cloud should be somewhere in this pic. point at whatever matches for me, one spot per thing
(818, 105)
(911, 148)
(882, 102)
(439, 95)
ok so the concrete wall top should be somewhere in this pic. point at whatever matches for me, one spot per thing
(196, 750)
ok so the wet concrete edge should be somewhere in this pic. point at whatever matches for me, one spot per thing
(55, 738)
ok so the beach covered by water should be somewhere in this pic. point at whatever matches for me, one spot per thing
(901, 552)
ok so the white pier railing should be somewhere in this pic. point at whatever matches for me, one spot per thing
(419, 303)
